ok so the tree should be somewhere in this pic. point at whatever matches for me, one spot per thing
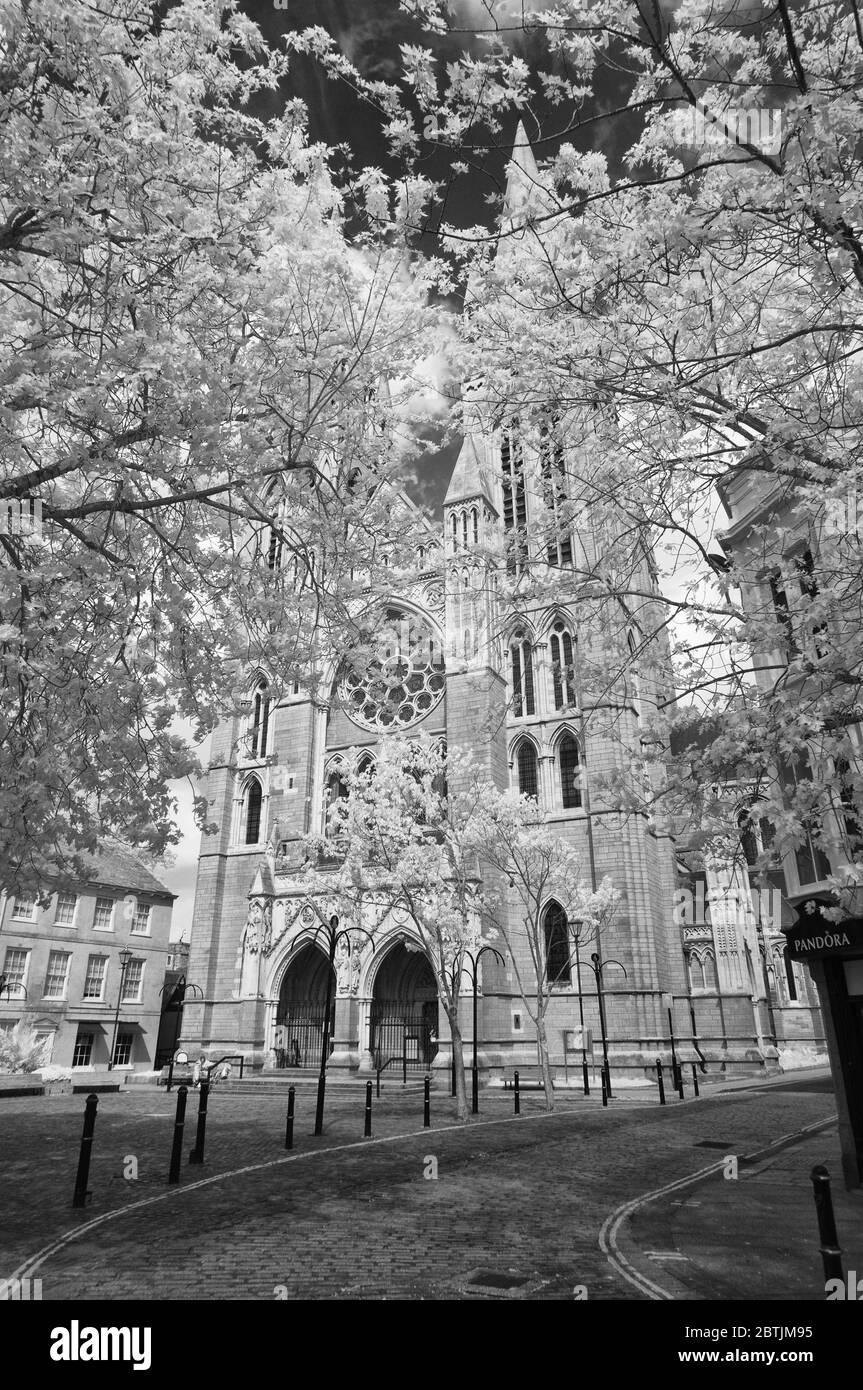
(398, 838)
(689, 305)
(194, 422)
(543, 910)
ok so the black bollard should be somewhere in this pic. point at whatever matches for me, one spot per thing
(517, 1096)
(695, 1080)
(367, 1132)
(604, 1090)
(661, 1083)
(584, 1077)
(474, 1091)
(426, 1104)
(452, 1077)
(196, 1155)
(177, 1146)
(79, 1197)
(289, 1123)
(831, 1253)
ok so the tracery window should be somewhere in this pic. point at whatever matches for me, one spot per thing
(570, 773)
(558, 968)
(521, 663)
(252, 804)
(514, 500)
(527, 768)
(555, 496)
(562, 666)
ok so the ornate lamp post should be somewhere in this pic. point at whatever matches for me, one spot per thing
(125, 957)
(473, 957)
(332, 935)
(597, 966)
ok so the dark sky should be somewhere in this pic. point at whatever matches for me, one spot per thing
(370, 32)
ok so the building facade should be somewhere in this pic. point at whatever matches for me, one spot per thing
(84, 966)
(815, 653)
(505, 639)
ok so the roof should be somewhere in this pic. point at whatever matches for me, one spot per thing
(469, 477)
(117, 866)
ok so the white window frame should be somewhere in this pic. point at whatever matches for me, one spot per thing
(96, 925)
(17, 984)
(126, 998)
(56, 998)
(75, 900)
(147, 928)
(17, 915)
(93, 998)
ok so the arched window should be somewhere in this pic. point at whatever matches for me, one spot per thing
(558, 968)
(521, 658)
(259, 723)
(252, 804)
(514, 499)
(708, 966)
(336, 790)
(366, 764)
(554, 495)
(464, 529)
(474, 517)
(528, 769)
(635, 678)
(562, 666)
(421, 557)
(454, 525)
(696, 974)
(568, 760)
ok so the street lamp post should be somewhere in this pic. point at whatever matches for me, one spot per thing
(125, 957)
(597, 966)
(474, 958)
(584, 1076)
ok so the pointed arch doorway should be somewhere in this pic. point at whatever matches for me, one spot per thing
(301, 1009)
(404, 1013)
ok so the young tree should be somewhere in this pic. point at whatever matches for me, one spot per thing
(192, 423)
(536, 867)
(397, 837)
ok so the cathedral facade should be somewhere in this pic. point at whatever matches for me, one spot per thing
(506, 640)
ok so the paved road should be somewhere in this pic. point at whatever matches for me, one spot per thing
(345, 1218)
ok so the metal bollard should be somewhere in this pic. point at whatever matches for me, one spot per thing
(289, 1123)
(196, 1155)
(661, 1083)
(177, 1146)
(367, 1132)
(585, 1078)
(831, 1253)
(79, 1197)
(604, 1090)
(517, 1095)
(426, 1104)
(695, 1080)
(452, 1076)
(474, 1091)
(607, 1072)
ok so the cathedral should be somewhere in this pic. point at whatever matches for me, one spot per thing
(507, 640)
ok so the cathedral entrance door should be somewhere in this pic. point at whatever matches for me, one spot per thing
(404, 1014)
(300, 1014)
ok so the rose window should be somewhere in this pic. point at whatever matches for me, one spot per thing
(404, 678)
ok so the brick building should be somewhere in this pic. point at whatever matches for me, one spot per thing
(84, 966)
(552, 695)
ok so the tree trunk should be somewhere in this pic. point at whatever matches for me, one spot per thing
(462, 1107)
(544, 1063)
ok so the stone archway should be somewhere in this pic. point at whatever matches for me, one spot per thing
(301, 1009)
(403, 1027)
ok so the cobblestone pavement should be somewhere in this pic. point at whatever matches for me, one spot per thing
(345, 1218)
